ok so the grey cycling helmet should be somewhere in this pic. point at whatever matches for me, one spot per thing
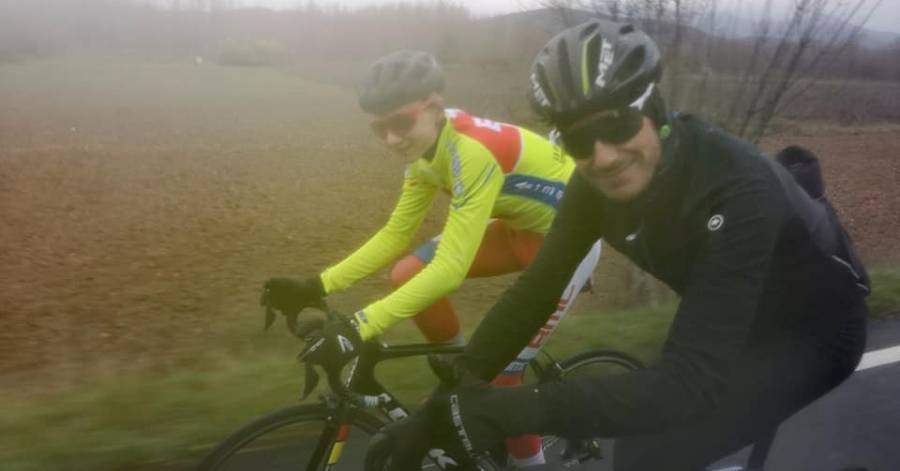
(399, 78)
(596, 66)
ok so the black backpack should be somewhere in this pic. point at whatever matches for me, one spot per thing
(804, 166)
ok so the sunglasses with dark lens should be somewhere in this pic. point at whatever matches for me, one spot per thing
(400, 122)
(609, 127)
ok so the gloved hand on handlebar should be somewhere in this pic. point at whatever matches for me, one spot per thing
(330, 342)
(465, 416)
(290, 296)
(400, 445)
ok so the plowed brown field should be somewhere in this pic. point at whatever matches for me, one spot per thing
(142, 206)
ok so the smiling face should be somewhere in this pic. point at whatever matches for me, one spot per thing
(411, 130)
(623, 171)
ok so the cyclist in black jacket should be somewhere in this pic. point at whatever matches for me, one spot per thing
(772, 311)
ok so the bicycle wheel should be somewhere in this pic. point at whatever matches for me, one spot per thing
(583, 454)
(599, 362)
(296, 438)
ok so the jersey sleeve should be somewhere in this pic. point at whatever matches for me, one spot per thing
(389, 242)
(476, 183)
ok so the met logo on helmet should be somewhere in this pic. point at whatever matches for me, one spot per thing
(607, 55)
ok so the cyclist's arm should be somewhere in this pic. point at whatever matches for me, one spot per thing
(527, 305)
(710, 330)
(474, 193)
(389, 242)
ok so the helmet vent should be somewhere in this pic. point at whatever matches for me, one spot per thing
(592, 59)
(632, 64)
(589, 30)
(419, 71)
(545, 88)
(626, 29)
(565, 70)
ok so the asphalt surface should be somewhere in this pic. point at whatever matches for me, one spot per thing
(857, 424)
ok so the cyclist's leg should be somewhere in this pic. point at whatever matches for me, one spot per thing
(526, 450)
(770, 385)
(579, 278)
(438, 323)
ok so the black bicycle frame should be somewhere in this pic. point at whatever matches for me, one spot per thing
(361, 387)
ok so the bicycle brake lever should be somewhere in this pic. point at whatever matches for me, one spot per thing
(310, 381)
(270, 318)
(291, 322)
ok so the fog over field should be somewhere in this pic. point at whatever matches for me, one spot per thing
(158, 164)
(885, 17)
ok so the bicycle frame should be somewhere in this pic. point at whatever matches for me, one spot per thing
(363, 390)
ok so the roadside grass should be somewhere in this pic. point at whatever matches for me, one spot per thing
(118, 422)
(167, 420)
(884, 302)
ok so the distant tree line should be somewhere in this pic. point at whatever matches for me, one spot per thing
(742, 83)
(197, 27)
(759, 74)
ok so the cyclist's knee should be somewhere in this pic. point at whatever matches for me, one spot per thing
(405, 269)
(439, 323)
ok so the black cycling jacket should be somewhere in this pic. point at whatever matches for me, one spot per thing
(752, 256)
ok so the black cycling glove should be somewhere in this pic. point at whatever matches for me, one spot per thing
(465, 416)
(291, 296)
(400, 445)
(330, 343)
(475, 418)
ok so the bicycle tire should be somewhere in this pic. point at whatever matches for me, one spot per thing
(219, 458)
(556, 448)
(600, 355)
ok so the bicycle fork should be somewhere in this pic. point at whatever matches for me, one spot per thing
(331, 442)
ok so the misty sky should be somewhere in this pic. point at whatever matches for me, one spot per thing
(886, 17)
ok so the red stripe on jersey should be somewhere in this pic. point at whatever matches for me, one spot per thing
(504, 141)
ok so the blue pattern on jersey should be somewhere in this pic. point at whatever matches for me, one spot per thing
(545, 191)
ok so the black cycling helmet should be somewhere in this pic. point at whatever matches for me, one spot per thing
(399, 78)
(596, 66)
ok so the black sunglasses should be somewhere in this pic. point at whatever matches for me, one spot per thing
(609, 127)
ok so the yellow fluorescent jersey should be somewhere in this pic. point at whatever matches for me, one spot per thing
(491, 170)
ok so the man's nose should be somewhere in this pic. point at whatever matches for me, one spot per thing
(392, 139)
(604, 155)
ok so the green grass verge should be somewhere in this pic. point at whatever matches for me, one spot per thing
(885, 298)
(155, 422)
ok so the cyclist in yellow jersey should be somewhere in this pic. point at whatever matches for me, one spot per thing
(504, 182)
(491, 170)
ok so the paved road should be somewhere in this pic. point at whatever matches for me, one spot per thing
(856, 424)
